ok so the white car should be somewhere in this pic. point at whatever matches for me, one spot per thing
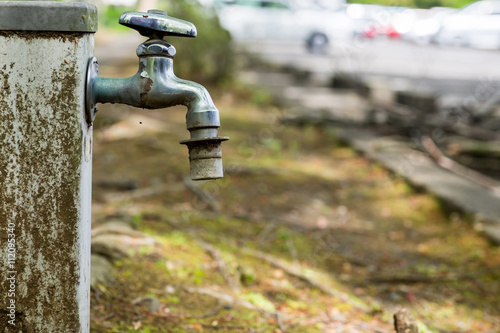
(428, 23)
(476, 25)
(283, 20)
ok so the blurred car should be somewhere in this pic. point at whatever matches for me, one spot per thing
(476, 25)
(380, 21)
(425, 28)
(285, 21)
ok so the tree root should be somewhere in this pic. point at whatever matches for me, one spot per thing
(229, 299)
(413, 279)
(221, 264)
(202, 195)
(458, 169)
(310, 277)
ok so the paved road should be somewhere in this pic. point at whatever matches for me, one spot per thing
(449, 71)
(456, 74)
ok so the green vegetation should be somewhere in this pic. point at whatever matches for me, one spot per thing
(416, 3)
(109, 15)
(207, 59)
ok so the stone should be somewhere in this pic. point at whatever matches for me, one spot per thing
(117, 240)
(116, 227)
(101, 271)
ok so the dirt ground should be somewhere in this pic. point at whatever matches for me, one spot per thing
(302, 234)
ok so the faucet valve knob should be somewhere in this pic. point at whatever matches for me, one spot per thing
(156, 24)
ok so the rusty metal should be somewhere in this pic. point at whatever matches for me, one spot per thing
(45, 166)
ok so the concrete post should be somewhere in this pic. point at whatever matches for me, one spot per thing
(45, 166)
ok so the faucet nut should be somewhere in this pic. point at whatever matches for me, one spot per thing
(156, 48)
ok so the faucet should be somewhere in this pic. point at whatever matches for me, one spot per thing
(155, 86)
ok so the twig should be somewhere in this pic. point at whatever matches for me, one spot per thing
(221, 263)
(262, 237)
(279, 320)
(327, 318)
(403, 114)
(474, 132)
(97, 296)
(224, 327)
(298, 272)
(293, 251)
(412, 279)
(449, 164)
(228, 299)
(353, 259)
(142, 192)
(210, 313)
(232, 300)
(117, 185)
(205, 197)
(106, 317)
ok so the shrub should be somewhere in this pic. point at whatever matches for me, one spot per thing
(208, 58)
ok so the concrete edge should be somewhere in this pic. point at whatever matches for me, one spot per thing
(47, 16)
(420, 170)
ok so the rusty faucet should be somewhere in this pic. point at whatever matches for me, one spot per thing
(155, 86)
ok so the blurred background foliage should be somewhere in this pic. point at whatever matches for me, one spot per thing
(207, 59)
(415, 3)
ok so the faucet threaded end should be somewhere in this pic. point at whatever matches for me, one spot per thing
(205, 156)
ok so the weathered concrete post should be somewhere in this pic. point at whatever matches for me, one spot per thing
(45, 166)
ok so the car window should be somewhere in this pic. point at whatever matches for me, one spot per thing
(248, 3)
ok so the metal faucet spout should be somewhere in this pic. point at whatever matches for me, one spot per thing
(155, 86)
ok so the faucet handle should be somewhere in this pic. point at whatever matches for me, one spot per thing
(156, 24)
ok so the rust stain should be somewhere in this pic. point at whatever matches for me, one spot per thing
(146, 88)
(30, 35)
(40, 156)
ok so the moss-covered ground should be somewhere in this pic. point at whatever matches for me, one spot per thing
(302, 234)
